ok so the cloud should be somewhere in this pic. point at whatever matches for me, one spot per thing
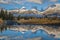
(54, 0)
(5, 2)
(11, 1)
(41, 1)
(22, 1)
(35, 1)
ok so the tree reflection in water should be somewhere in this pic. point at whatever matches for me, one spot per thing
(3, 27)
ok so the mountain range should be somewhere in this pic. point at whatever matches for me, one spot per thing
(50, 9)
(53, 9)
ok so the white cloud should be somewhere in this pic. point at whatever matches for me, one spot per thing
(41, 1)
(36, 1)
(54, 0)
(22, 1)
(2, 1)
(11, 1)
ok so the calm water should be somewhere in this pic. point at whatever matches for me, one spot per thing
(9, 34)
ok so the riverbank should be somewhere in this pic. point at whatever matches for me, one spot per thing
(39, 21)
(34, 21)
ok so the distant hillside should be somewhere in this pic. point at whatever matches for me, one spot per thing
(51, 10)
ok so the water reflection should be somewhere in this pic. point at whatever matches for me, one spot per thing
(7, 33)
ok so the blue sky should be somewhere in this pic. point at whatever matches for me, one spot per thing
(13, 4)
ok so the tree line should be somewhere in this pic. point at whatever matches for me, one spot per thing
(5, 15)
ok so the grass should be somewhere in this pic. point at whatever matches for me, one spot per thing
(39, 21)
(1, 21)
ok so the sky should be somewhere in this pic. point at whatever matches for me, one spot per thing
(29, 4)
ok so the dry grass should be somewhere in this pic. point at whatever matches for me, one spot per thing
(1, 21)
(39, 21)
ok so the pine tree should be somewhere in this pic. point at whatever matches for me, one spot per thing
(1, 13)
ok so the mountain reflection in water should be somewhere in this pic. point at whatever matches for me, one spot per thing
(7, 33)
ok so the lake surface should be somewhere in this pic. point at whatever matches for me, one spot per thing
(9, 34)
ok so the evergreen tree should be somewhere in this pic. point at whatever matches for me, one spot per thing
(10, 16)
(6, 15)
(1, 13)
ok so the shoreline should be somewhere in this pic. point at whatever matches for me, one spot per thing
(42, 21)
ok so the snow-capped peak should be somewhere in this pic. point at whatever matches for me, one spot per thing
(33, 9)
(53, 9)
(23, 7)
